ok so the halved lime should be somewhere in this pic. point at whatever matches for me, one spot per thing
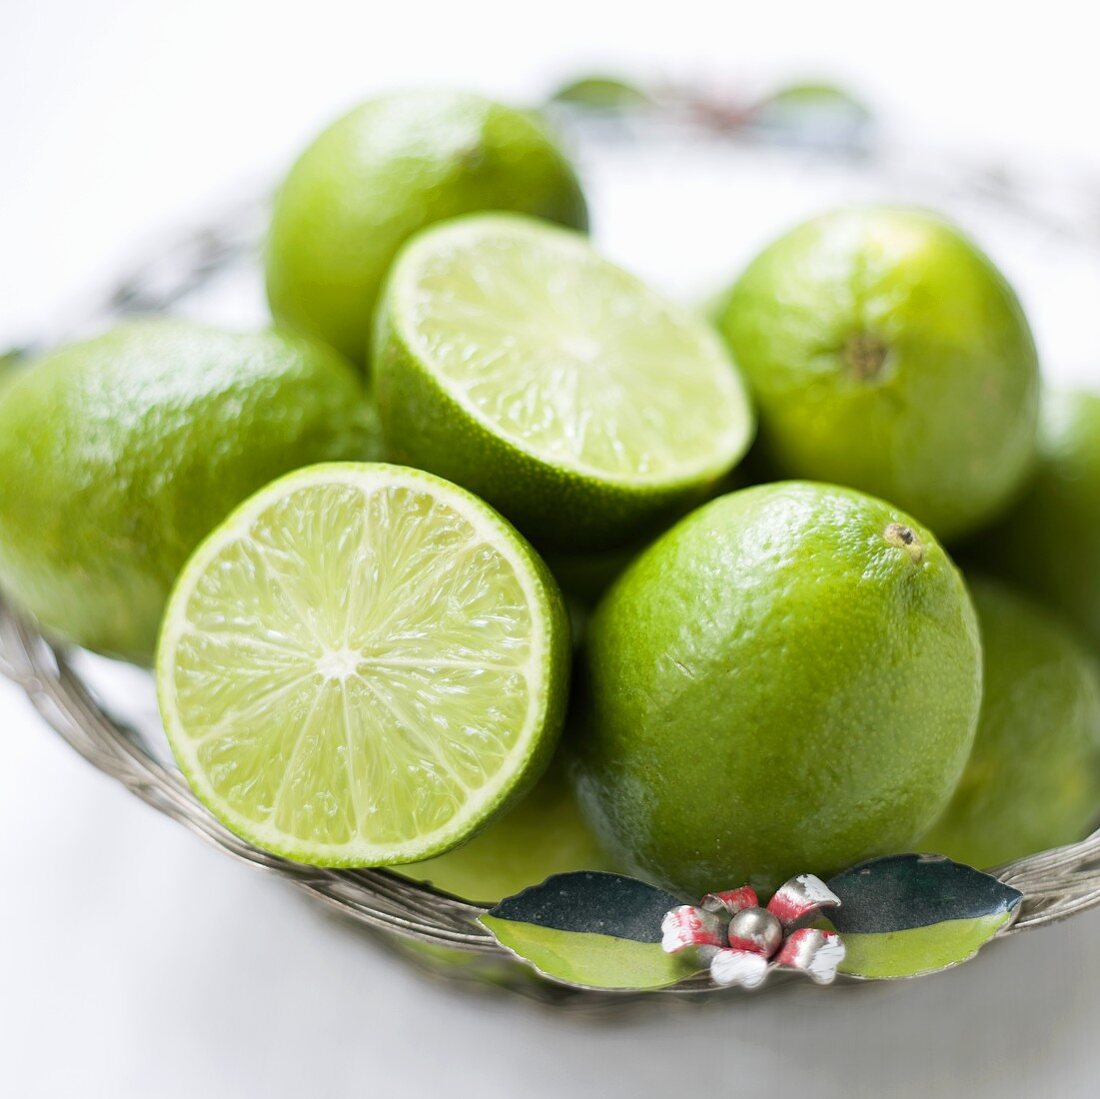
(362, 665)
(513, 359)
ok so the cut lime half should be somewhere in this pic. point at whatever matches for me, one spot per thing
(514, 359)
(361, 666)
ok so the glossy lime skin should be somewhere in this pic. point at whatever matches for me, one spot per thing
(119, 454)
(387, 169)
(887, 352)
(774, 687)
(1049, 542)
(1033, 778)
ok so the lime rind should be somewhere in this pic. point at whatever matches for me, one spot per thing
(569, 359)
(362, 666)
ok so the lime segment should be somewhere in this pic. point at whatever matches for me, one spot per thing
(568, 355)
(517, 361)
(361, 666)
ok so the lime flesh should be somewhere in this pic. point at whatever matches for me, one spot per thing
(361, 666)
(513, 359)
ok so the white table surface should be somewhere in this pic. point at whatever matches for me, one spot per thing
(134, 961)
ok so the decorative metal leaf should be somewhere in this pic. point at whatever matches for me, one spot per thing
(905, 915)
(591, 930)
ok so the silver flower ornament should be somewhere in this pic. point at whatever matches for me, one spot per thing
(741, 941)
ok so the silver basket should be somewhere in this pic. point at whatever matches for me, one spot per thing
(213, 272)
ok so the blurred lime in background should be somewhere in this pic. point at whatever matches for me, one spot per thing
(603, 93)
(815, 112)
(1033, 778)
(1049, 542)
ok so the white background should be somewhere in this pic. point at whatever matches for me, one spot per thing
(133, 961)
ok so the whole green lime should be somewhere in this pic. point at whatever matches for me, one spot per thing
(543, 834)
(1033, 778)
(390, 167)
(119, 454)
(786, 682)
(887, 352)
(1049, 542)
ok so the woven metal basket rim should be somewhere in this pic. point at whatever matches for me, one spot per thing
(1055, 884)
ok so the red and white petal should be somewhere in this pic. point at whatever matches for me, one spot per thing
(813, 951)
(738, 967)
(687, 926)
(800, 897)
(732, 900)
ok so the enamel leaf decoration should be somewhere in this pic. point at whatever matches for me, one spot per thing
(591, 930)
(906, 915)
(898, 916)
